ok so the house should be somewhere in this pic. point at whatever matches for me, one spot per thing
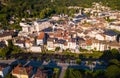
(114, 25)
(72, 43)
(110, 35)
(40, 74)
(41, 39)
(60, 43)
(114, 44)
(22, 72)
(50, 44)
(55, 18)
(100, 37)
(6, 35)
(41, 24)
(51, 34)
(99, 45)
(20, 43)
(4, 70)
(37, 25)
(35, 49)
(27, 27)
(28, 43)
(86, 44)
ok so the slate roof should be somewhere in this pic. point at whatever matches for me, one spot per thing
(6, 33)
(110, 32)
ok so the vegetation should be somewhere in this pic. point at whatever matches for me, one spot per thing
(112, 70)
(10, 49)
(12, 10)
(110, 54)
(78, 61)
(57, 72)
(9, 76)
(57, 48)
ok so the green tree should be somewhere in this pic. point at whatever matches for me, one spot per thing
(4, 51)
(99, 74)
(114, 62)
(72, 73)
(78, 61)
(112, 71)
(57, 48)
(9, 76)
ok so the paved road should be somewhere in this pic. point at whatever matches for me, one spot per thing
(7, 61)
(63, 66)
(62, 73)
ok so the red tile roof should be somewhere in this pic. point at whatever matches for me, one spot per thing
(40, 74)
(22, 70)
(41, 35)
(27, 41)
(89, 42)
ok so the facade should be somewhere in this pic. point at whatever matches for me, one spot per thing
(22, 72)
(6, 35)
(50, 44)
(37, 25)
(4, 70)
(20, 43)
(40, 74)
(35, 49)
(41, 39)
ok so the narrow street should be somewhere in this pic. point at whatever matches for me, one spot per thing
(63, 70)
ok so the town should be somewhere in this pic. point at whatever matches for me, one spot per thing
(51, 41)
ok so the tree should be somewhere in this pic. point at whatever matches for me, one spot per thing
(4, 51)
(72, 73)
(99, 74)
(57, 48)
(112, 71)
(9, 76)
(114, 62)
(78, 61)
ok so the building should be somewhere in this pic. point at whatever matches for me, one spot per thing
(4, 70)
(41, 39)
(110, 35)
(114, 25)
(20, 43)
(99, 45)
(6, 35)
(40, 74)
(35, 49)
(37, 25)
(22, 72)
(50, 44)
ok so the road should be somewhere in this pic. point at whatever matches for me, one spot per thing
(7, 61)
(62, 73)
(53, 64)
(63, 66)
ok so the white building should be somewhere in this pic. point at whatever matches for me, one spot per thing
(35, 25)
(35, 49)
(50, 44)
(41, 38)
(114, 25)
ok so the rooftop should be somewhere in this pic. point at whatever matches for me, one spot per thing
(41, 35)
